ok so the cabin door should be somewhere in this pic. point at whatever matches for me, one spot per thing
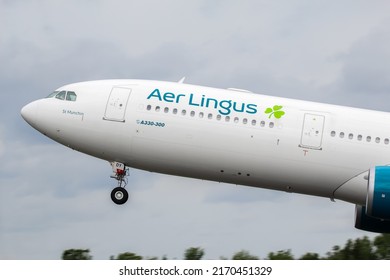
(312, 131)
(117, 104)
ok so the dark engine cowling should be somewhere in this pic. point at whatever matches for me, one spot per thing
(378, 193)
(375, 215)
(364, 222)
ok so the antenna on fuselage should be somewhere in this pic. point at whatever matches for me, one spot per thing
(182, 80)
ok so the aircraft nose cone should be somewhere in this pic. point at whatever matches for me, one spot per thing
(29, 113)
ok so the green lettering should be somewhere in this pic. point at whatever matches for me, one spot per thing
(155, 93)
(178, 97)
(169, 97)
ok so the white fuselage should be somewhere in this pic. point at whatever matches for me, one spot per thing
(220, 135)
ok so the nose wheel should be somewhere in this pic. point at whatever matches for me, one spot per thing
(119, 195)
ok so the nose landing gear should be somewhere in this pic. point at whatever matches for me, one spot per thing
(119, 195)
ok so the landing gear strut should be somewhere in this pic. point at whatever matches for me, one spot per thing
(119, 195)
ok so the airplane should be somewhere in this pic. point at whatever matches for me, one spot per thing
(226, 135)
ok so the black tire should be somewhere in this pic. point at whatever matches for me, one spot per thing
(119, 196)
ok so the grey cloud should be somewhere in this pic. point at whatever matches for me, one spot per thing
(366, 69)
(364, 77)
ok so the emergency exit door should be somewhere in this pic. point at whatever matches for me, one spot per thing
(117, 104)
(312, 131)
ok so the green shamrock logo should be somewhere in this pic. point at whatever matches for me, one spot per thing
(275, 111)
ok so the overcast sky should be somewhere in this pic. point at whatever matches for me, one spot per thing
(53, 198)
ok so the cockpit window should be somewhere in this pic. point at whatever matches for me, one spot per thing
(71, 96)
(63, 95)
(54, 93)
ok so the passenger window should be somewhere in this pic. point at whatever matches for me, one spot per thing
(360, 137)
(210, 116)
(377, 140)
(219, 117)
(386, 141)
(227, 119)
(192, 113)
(149, 107)
(201, 115)
(333, 133)
(166, 110)
(158, 109)
(262, 123)
(350, 136)
(236, 119)
(271, 125)
(368, 138)
(245, 121)
(253, 122)
(61, 95)
(183, 112)
(175, 111)
(71, 96)
(342, 134)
